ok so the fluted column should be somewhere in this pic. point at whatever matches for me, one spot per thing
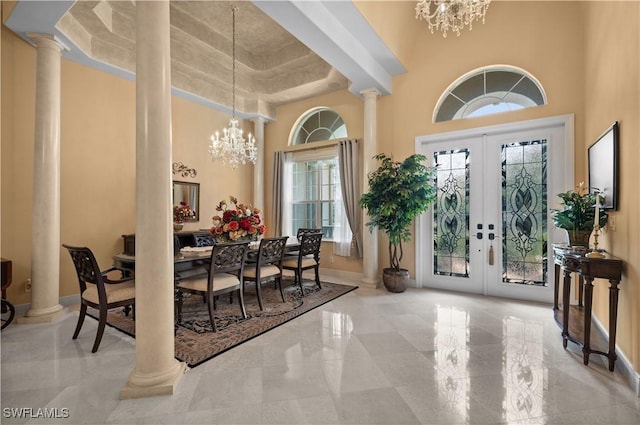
(369, 239)
(258, 168)
(45, 236)
(156, 371)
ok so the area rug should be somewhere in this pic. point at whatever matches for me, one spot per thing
(195, 340)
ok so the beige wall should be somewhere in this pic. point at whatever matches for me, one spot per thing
(612, 93)
(98, 161)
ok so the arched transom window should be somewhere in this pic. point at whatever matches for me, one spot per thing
(488, 91)
(318, 125)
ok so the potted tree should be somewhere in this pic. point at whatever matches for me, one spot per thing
(577, 215)
(398, 192)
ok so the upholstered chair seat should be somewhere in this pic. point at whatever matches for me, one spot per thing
(115, 293)
(222, 281)
(305, 263)
(265, 271)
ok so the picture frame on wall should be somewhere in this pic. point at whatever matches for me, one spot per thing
(603, 166)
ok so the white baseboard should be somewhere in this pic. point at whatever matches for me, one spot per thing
(623, 363)
(69, 300)
(333, 276)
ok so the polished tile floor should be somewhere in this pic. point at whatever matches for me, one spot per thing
(369, 357)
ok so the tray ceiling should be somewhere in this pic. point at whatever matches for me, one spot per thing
(272, 65)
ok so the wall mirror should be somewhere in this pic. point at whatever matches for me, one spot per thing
(189, 193)
(603, 167)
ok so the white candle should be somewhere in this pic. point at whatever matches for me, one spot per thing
(597, 218)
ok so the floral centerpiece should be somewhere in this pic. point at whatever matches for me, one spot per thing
(183, 212)
(236, 222)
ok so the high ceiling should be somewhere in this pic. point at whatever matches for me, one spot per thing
(273, 64)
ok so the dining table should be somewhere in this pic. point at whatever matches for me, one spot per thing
(191, 262)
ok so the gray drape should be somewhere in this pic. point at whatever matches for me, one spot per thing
(276, 206)
(350, 185)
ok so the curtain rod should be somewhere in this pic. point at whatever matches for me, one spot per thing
(324, 145)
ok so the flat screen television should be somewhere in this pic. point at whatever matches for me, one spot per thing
(603, 167)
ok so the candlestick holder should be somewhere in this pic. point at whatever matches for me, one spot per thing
(595, 253)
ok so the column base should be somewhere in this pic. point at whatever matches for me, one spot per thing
(48, 315)
(371, 282)
(165, 387)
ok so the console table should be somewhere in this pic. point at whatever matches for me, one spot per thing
(609, 267)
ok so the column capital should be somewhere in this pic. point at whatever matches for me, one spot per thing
(258, 120)
(46, 40)
(372, 92)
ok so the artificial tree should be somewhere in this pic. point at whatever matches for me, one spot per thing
(398, 193)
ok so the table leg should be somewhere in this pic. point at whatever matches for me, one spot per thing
(613, 314)
(580, 290)
(556, 278)
(178, 296)
(588, 299)
(566, 293)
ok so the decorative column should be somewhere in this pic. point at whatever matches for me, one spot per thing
(156, 371)
(45, 236)
(369, 239)
(258, 168)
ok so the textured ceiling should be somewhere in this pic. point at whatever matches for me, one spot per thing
(286, 50)
(272, 66)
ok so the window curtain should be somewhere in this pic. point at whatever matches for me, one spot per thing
(281, 193)
(276, 190)
(349, 171)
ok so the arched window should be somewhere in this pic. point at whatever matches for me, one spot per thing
(319, 124)
(489, 90)
(314, 199)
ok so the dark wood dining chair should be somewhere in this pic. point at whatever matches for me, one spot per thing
(224, 275)
(308, 258)
(267, 265)
(204, 239)
(99, 291)
(305, 231)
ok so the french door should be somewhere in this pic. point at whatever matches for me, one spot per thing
(490, 231)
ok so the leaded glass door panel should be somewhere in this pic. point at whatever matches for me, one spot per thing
(455, 252)
(489, 232)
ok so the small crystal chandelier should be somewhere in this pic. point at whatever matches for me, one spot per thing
(232, 148)
(451, 15)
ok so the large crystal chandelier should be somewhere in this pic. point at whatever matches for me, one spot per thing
(232, 148)
(451, 15)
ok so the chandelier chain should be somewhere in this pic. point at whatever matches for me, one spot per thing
(233, 63)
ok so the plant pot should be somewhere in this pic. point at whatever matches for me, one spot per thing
(395, 280)
(579, 237)
(177, 226)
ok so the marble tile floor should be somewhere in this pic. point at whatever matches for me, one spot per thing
(369, 357)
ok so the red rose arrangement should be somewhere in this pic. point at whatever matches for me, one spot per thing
(182, 212)
(239, 221)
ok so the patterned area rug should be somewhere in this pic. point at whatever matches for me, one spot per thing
(195, 340)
